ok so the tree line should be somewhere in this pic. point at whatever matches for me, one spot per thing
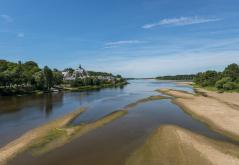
(228, 79)
(18, 78)
(177, 77)
(28, 74)
(95, 81)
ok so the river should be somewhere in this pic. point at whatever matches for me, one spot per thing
(108, 145)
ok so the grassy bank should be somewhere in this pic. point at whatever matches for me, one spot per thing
(13, 91)
(20, 91)
(172, 145)
(95, 87)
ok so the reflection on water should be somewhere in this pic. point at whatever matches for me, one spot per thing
(19, 114)
(109, 145)
(113, 143)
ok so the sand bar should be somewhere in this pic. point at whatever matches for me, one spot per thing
(172, 145)
(22, 143)
(219, 115)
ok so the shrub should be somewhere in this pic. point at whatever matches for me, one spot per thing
(229, 86)
(220, 83)
(232, 71)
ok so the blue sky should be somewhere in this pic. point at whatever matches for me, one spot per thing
(135, 38)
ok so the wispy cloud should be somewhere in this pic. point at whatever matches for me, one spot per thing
(20, 35)
(182, 21)
(6, 18)
(119, 43)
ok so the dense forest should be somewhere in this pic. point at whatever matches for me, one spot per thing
(177, 77)
(226, 80)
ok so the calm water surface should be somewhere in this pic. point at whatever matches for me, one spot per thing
(108, 145)
(19, 114)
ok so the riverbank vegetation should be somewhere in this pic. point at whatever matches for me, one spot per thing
(26, 78)
(92, 83)
(227, 80)
(177, 77)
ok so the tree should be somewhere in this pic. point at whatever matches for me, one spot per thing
(208, 78)
(57, 77)
(18, 76)
(226, 80)
(230, 86)
(220, 83)
(48, 75)
(39, 80)
(3, 65)
(232, 71)
(70, 70)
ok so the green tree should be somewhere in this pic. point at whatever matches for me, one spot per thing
(57, 77)
(3, 65)
(220, 83)
(208, 78)
(48, 75)
(230, 86)
(232, 71)
(39, 80)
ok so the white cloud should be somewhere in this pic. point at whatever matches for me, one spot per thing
(20, 35)
(174, 64)
(6, 18)
(182, 21)
(118, 43)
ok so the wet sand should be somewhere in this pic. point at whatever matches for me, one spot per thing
(184, 83)
(46, 144)
(114, 142)
(52, 135)
(219, 115)
(22, 143)
(57, 138)
(104, 142)
(172, 145)
(232, 99)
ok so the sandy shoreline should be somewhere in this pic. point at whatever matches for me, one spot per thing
(22, 143)
(55, 134)
(184, 83)
(222, 116)
(77, 131)
(231, 99)
(172, 145)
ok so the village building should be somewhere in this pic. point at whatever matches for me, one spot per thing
(78, 73)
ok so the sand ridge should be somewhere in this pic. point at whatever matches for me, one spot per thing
(217, 114)
(173, 145)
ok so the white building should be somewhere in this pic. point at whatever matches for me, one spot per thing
(78, 73)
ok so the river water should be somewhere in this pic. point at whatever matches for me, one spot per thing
(109, 145)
